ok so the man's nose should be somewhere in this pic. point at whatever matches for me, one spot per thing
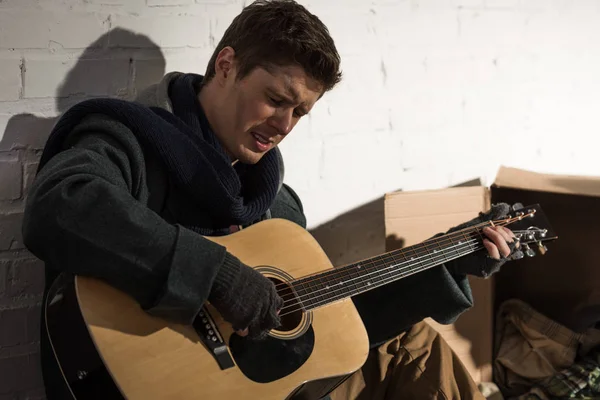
(282, 121)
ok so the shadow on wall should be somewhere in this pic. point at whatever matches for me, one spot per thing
(355, 235)
(106, 68)
(114, 65)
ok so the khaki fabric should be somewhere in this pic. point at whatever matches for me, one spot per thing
(531, 347)
(418, 364)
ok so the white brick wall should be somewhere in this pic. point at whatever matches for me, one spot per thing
(45, 77)
(10, 79)
(435, 93)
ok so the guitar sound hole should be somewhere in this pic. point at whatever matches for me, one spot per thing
(292, 311)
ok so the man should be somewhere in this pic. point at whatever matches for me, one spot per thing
(126, 191)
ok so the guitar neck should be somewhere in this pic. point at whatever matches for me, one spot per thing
(347, 281)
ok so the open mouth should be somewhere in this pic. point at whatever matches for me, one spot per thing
(261, 142)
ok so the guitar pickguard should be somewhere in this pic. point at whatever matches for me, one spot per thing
(270, 359)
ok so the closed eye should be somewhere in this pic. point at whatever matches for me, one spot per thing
(275, 102)
(280, 103)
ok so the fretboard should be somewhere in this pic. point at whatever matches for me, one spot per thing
(347, 281)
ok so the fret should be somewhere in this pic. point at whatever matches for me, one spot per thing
(353, 279)
(300, 287)
(379, 270)
(397, 264)
(392, 267)
(367, 270)
(328, 282)
(457, 243)
(406, 261)
(468, 240)
(416, 260)
(430, 255)
(357, 277)
(426, 258)
(318, 292)
(440, 251)
(343, 281)
(336, 285)
(404, 264)
(476, 230)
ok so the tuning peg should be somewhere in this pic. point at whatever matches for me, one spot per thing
(543, 249)
(528, 251)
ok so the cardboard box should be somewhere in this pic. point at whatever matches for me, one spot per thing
(564, 284)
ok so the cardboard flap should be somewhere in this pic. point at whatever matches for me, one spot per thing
(568, 184)
(416, 216)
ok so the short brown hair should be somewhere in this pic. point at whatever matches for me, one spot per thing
(280, 33)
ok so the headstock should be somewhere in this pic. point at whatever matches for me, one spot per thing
(530, 225)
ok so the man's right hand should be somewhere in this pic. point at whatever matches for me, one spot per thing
(246, 299)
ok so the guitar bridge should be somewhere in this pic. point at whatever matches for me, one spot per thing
(207, 330)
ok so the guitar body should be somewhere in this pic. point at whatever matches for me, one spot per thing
(107, 347)
(151, 358)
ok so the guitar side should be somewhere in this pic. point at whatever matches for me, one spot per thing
(150, 358)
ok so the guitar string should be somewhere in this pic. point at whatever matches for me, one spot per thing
(414, 267)
(444, 240)
(340, 273)
(413, 262)
(394, 271)
(436, 258)
(372, 266)
(387, 280)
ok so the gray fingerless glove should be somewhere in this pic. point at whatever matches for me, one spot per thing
(245, 298)
(480, 263)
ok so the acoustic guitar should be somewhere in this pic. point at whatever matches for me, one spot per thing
(107, 347)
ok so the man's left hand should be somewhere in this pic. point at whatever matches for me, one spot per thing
(500, 243)
(498, 240)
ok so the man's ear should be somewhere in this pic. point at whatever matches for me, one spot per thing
(225, 64)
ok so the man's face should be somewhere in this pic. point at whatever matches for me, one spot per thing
(259, 110)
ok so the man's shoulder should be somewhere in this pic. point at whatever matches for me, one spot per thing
(288, 205)
(97, 126)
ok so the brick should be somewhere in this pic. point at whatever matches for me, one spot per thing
(26, 277)
(59, 78)
(20, 373)
(11, 179)
(119, 37)
(194, 60)
(29, 172)
(10, 80)
(168, 3)
(109, 2)
(24, 131)
(4, 277)
(10, 231)
(192, 31)
(74, 30)
(19, 325)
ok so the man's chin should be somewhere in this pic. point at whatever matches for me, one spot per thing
(247, 156)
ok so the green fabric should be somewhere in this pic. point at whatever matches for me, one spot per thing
(579, 381)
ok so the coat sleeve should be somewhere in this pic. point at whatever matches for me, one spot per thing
(86, 214)
(391, 309)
